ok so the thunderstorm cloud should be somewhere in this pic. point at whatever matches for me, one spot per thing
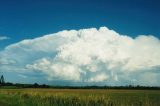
(99, 56)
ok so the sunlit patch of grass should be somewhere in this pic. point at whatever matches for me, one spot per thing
(78, 97)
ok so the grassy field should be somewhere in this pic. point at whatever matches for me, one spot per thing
(78, 97)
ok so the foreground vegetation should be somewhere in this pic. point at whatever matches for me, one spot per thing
(78, 97)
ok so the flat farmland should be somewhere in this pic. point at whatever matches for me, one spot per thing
(78, 97)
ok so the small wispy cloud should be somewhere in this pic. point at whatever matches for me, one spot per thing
(4, 38)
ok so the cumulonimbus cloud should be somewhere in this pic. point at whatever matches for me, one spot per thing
(89, 55)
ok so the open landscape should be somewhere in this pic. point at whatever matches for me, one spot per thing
(79, 52)
(78, 97)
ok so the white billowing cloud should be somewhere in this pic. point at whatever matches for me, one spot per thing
(56, 71)
(4, 38)
(98, 78)
(88, 55)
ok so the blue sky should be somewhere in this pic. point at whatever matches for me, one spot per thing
(28, 19)
(24, 19)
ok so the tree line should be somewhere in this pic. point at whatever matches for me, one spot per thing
(3, 84)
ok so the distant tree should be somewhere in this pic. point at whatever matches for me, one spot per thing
(44, 86)
(2, 80)
(8, 84)
(130, 86)
(35, 85)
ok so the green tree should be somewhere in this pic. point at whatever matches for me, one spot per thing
(2, 80)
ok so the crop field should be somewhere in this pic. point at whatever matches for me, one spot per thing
(78, 97)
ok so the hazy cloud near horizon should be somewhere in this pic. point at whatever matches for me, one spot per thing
(87, 55)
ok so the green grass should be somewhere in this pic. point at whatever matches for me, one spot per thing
(78, 97)
(9, 87)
